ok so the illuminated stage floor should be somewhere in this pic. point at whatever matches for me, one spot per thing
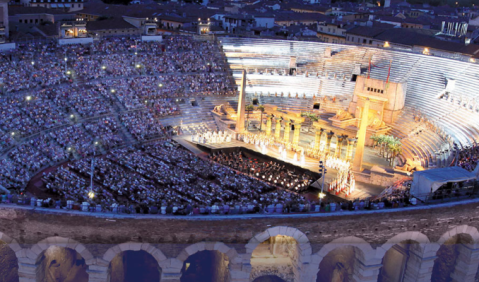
(363, 190)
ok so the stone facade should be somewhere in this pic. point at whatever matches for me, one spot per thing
(172, 240)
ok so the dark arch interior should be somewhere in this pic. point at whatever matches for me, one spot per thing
(447, 256)
(337, 265)
(395, 261)
(8, 264)
(269, 278)
(205, 266)
(134, 266)
(59, 264)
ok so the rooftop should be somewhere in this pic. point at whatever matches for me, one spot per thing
(114, 23)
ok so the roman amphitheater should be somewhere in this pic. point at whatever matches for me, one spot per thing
(172, 160)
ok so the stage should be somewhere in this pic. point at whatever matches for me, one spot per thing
(363, 190)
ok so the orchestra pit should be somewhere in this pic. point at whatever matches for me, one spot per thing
(196, 158)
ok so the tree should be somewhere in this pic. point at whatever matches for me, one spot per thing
(261, 109)
(381, 142)
(311, 116)
(248, 109)
(375, 139)
(396, 150)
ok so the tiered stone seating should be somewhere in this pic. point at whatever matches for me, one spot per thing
(425, 77)
(423, 146)
(199, 118)
(288, 104)
(336, 87)
(343, 62)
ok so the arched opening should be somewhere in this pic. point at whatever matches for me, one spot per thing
(59, 264)
(206, 266)
(269, 278)
(447, 257)
(134, 266)
(276, 256)
(396, 260)
(8, 264)
(322, 141)
(334, 145)
(338, 265)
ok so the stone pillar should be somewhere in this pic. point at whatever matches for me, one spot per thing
(287, 129)
(466, 264)
(268, 125)
(171, 270)
(97, 273)
(317, 140)
(327, 148)
(366, 273)
(297, 132)
(349, 151)
(339, 146)
(246, 268)
(236, 270)
(26, 272)
(241, 104)
(170, 275)
(277, 131)
(358, 157)
(418, 268)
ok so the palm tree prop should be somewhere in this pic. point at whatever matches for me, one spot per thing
(248, 109)
(261, 109)
(310, 115)
(389, 146)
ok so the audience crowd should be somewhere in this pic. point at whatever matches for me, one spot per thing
(81, 103)
(165, 176)
(469, 157)
(70, 101)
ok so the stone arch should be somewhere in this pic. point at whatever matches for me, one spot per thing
(366, 256)
(112, 252)
(462, 229)
(299, 236)
(234, 261)
(415, 236)
(403, 255)
(37, 252)
(44, 244)
(365, 247)
(209, 246)
(303, 248)
(133, 246)
(457, 258)
(13, 249)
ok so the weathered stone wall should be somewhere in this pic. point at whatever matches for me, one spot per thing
(171, 241)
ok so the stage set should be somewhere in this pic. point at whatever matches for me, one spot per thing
(342, 141)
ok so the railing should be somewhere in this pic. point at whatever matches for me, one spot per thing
(309, 209)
